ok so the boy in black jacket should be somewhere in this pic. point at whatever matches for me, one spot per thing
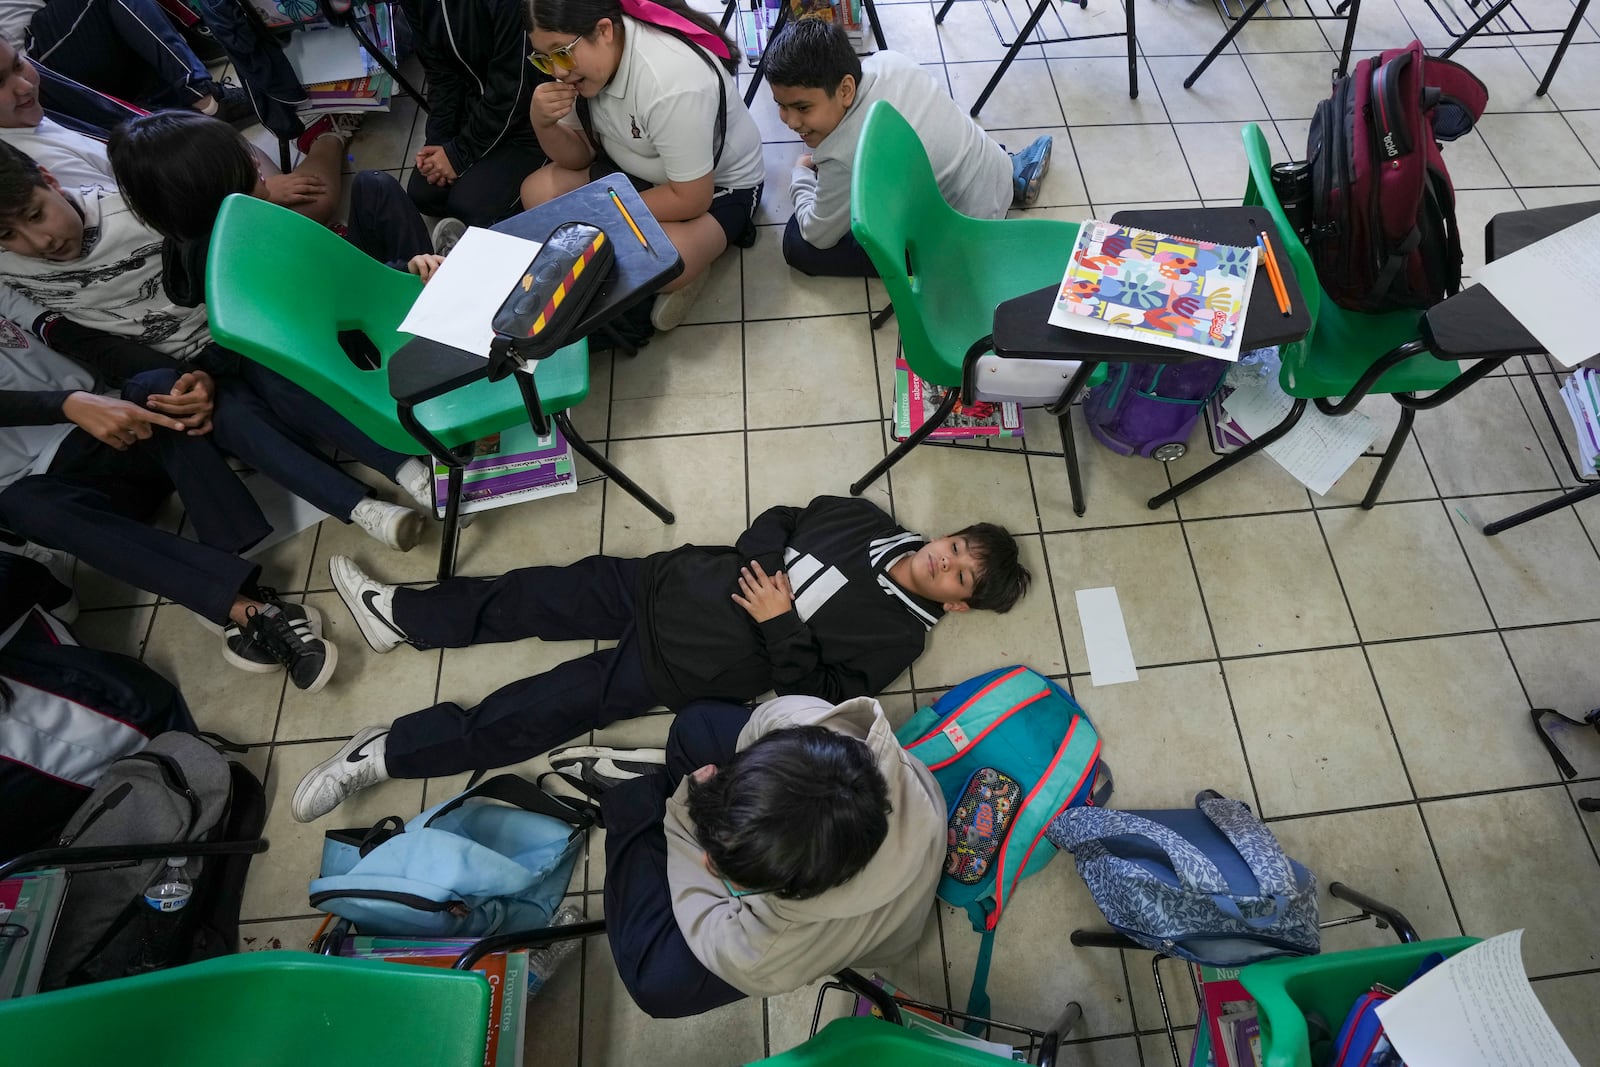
(831, 600)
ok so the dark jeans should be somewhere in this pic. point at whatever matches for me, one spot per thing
(96, 502)
(128, 48)
(655, 963)
(847, 259)
(384, 223)
(490, 190)
(593, 598)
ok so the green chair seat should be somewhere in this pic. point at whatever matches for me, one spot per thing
(257, 1009)
(863, 1041)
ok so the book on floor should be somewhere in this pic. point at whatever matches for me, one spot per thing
(508, 468)
(1139, 285)
(30, 904)
(915, 401)
(1581, 394)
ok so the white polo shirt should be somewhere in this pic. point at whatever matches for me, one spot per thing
(657, 117)
(74, 159)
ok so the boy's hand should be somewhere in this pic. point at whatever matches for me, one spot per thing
(435, 165)
(806, 162)
(551, 103)
(118, 423)
(191, 402)
(764, 598)
(425, 266)
(292, 190)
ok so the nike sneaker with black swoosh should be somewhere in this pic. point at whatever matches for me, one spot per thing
(358, 764)
(371, 604)
(592, 769)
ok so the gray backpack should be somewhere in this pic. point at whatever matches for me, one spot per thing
(178, 789)
(1208, 884)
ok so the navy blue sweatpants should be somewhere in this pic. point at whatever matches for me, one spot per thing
(127, 48)
(655, 963)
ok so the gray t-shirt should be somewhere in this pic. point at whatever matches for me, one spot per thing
(14, 18)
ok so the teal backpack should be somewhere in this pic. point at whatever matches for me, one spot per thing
(1010, 750)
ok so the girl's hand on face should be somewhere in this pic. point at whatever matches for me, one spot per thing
(552, 101)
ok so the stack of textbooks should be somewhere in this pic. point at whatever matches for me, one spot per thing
(29, 906)
(507, 973)
(1581, 393)
(1229, 1033)
(923, 1021)
(915, 401)
(508, 468)
(757, 17)
(372, 91)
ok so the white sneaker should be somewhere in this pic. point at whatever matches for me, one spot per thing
(357, 764)
(445, 235)
(371, 604)
(593, 769)
(392, 524)
(671, 308)
(415, 476)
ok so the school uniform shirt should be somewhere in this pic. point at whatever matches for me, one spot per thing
(973, 172)
(73, 159)
(657, 117)
(115, 285)
(34, 382)
(852, 630)
(763, 945)
(14, 18)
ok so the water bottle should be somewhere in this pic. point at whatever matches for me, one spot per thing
(544, 962)
(172, 887)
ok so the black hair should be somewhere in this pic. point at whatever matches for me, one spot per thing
(800, 811)
(1003, 579)
(19, 177)
(175, 168)
(812, 54)
(581, 16)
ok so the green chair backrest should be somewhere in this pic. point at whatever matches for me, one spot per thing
(865, 1042)
(257, 1009)
(1342, 344)
(1287, 990)
(280, 288)
(945, 272)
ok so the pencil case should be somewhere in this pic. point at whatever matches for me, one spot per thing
(978, 823)
(538, 314)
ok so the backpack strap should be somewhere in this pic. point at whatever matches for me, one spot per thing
(1083, 826)
(1245, 832)
(978, 995)
(521, 793)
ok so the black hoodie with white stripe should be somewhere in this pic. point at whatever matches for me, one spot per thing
(851, 632)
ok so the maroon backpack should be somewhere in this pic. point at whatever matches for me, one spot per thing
(1383, 212)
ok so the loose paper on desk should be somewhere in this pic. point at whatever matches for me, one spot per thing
(1550, 287)
(458, 303)
(1476, 1009)
(1318, 450)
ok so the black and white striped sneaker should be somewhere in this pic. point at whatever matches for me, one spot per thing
(291, 642)
(592, 770)
(371, 604)
(244, 652)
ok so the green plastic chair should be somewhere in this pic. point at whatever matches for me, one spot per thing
(945, 272)
(288, 293)
(1286, 990)
(259, 1009)
(1347, 354)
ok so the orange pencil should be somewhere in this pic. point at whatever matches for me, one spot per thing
(1275, 274)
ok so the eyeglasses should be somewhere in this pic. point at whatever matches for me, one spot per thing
(559, 61)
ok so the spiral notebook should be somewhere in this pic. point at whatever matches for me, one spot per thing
(1176, 292)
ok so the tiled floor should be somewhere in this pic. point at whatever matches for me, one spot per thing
(1361, 678)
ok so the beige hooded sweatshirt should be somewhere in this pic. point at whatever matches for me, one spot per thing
(763, 945)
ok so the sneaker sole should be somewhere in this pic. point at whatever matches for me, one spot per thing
(657, 756)
(380, 641)
(345, 749)
(407, 532)
(331, 661)
(1030, 193)
(672, 308)
(313, 616)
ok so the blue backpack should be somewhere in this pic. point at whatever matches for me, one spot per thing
(464, 868)
(1011, 750)
(1207, 884)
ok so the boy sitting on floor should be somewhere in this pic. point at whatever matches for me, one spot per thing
(832, 600)
(761, 850)
(823, 91)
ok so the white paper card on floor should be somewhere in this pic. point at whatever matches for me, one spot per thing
(1476, 1009)
(1105, 637)
(1319, 449)
(458, 303)
(1549, 287)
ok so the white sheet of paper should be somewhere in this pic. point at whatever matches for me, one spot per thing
(329, 55)
(1550, 287)
(1105, 637)
(1318, 450)
(459, 301)
(1476, 1009)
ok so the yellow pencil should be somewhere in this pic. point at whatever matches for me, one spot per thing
(634, 226)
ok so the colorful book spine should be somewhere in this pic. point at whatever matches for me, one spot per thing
(915, 403)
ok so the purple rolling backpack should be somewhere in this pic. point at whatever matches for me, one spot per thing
(1149, 409)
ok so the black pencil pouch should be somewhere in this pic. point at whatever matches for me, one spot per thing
(550, 296)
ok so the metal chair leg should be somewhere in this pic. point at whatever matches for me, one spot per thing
(1561, 49)
(1396, 443)
(1227, 39)
(452, 522)
(1016, 46)
(1232, 458)
(1527, 515)
(1133, 55)
(610, 470)
(883, 316)
(946, 406)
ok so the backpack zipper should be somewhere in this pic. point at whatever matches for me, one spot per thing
(112, 799)
(458, 908)
(174, 777)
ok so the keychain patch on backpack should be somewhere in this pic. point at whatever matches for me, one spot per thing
(978, 823)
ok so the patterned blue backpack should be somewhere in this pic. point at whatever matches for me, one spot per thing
(1010, 750)
(1207, 884)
